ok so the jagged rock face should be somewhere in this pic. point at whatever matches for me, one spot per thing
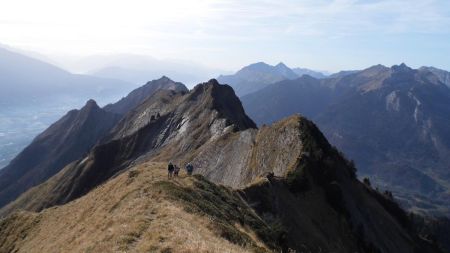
(151, 109)
(392, 121)
(140, 94)
(63, 142)
(236, 159)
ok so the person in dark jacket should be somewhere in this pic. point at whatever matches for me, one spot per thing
(170, 169)
(189, 169)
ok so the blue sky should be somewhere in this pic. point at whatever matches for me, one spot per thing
(318, 34)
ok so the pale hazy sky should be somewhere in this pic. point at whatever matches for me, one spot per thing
(319, 34)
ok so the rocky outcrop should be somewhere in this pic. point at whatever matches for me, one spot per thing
(236, 159)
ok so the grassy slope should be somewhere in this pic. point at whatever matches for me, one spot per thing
(141, 211)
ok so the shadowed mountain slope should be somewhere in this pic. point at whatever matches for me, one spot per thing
(310, 95)
(392, 121)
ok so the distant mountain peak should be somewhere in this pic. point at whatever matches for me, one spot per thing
(260, 63)
(285, 71)
(258, 75)
(281, 65)
(401, 68)
(258, 66)
(138, 95)
(91, 104)
(377, 67)
(375, 70)
(204, 87)
(164, 78)
(213, 81)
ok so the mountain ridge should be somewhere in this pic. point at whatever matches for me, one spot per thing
(46, 80)
(258, 75)
(365, 114)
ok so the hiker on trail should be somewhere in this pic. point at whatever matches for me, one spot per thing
(189, 169)
(170, 169)
(176, 170)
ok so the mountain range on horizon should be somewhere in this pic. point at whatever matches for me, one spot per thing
(258, 75)
(139, 69)
(393, 122)
(26, 78)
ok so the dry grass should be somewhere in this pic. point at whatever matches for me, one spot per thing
(127, 214)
